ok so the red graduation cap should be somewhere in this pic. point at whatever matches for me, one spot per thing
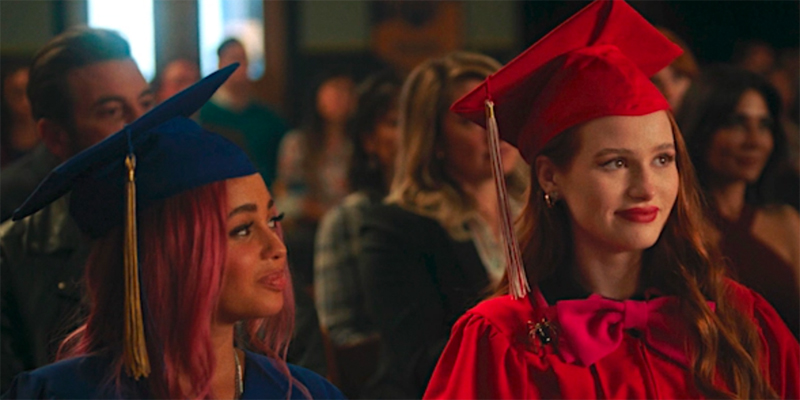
(595, 64)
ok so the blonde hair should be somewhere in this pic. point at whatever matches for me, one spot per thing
(421, 183)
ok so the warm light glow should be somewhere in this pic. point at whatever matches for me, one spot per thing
(133, 19)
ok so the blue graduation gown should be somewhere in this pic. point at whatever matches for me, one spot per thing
(84, 378)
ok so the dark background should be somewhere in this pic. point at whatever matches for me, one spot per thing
(712, 29)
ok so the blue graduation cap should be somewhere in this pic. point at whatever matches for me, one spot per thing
(159, 155)
(172, 154)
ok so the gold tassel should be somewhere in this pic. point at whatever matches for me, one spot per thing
(137, 363)
(517, 279)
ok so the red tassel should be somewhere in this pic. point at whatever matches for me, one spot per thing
(517, 279)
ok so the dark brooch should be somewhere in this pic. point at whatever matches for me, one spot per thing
(541, 334)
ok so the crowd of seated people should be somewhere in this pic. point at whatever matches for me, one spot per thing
(387, 208)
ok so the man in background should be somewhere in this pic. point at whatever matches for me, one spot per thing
(234, 113)
(177, 75)
(83, 87)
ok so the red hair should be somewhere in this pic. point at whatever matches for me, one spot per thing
(182, 252)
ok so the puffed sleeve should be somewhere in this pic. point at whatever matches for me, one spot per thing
(782, 352)
(479, 363)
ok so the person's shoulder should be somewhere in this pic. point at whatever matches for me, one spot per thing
(264, 108)
(338, 217)
(357, 200)
(318, 386)
(292, 138)
(37, 162)
(773, 330)
(403, 224)
(781, 216)
(210, 106)
(11, 230)
(353, 202)
(21, 177)
(78, 377)
(742, 297)
(48, 230)
(748, 302)
(15, 236)
(67, 368)
(393, 213)
(265, 113)
(506, 314)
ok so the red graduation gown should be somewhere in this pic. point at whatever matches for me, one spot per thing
(490, 355)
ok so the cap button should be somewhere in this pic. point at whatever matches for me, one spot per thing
(62, 285)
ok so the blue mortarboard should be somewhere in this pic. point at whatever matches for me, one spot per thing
(154, 157)
(173, 154)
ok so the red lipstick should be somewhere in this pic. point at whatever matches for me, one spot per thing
(642, 215)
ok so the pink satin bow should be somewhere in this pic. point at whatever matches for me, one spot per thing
(593, 328)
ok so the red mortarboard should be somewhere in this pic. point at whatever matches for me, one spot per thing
(595, 64)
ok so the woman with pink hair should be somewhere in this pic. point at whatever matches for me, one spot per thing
(187, 269)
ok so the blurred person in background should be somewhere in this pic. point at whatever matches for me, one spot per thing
(176, 76)
(339, 293)
(235, 113)
(433, 250)
(312, 168)
(312, 178)
(84, 86)
(674, 80)
(785, 79)
(731, 119)
(756, 56)
(18, 134)
(78, 95)
(312, 171)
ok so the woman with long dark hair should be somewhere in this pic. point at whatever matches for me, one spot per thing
(737, 145)
(312, 161)
(374, 135)
(187, 272)
(338, 291)
(619, 293)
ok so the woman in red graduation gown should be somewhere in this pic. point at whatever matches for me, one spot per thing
(628, 299)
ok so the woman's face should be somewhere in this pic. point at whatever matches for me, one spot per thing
(465, 145)
(740, 150)
(621, 185)
(255, 273)
(14, 94)
(336, 99)
(672, 84)
(382, 144)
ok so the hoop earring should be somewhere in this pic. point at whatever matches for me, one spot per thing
(550, 200)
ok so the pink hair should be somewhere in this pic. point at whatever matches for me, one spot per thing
(182, 251)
